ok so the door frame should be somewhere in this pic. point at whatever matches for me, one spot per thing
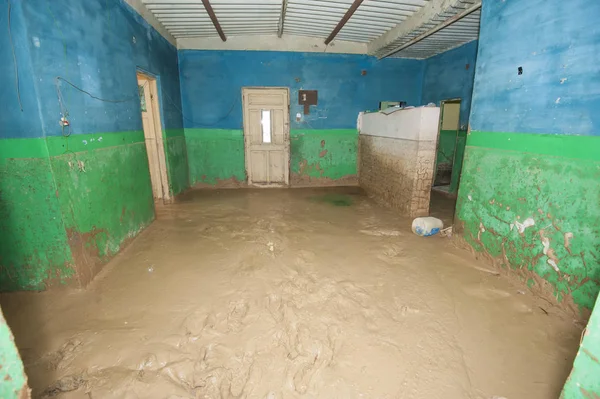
(286, 136)
(456, 100)
(160, 184)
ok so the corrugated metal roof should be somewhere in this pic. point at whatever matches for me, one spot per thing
(188, 18)
(317, 18)
(457, 34)
(462, 31)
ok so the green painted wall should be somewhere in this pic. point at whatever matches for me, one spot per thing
(217, 155)
(34, 249)
(12, 373)
(584, 381)
(509, 178)
(104, 191)
(69, 203)
(323, 154)
(176, 158)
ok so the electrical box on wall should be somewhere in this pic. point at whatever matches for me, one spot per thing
(307, 98)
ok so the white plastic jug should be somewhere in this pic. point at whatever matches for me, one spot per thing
(427, 226)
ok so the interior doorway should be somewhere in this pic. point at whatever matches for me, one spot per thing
(267, 135)
(446, 143)
(153, 137)
(449, 152)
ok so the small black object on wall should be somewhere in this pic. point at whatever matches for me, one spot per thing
(307, 98)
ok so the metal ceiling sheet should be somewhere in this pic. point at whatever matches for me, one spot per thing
(373, 18)
(188, 18)
(317, 18)
(458, 33)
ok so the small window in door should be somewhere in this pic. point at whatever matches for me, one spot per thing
(142, 98)
(265, 122)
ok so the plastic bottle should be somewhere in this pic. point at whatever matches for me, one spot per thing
(427, 226)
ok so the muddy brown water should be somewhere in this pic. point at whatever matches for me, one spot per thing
(291, 294)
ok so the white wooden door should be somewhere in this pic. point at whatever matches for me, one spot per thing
(267, 136)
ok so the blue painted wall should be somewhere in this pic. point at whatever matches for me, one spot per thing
(557, 43)
(211, 84)
(97, 45)
(447, 76)
(14, 122)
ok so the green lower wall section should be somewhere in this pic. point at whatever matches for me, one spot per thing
(69, 203)
(105, 197)
(509, 180)
(217, 155)
(177, 163)
(324, 154)
(584, 381)
(12, 372)
(34, 248)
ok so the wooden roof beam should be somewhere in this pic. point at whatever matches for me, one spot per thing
(284, 4)
(343, 21)
(213, 18)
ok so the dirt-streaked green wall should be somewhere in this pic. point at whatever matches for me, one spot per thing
(69, 204)
(511, 180)
(323, 156)
(584, 380)
(529, 193)
(34, 247)
(317, 156)
(13, 383)
(71, 198)
(104, 192)
(176, 158)
(215, 156)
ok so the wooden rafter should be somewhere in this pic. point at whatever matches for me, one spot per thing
(343, 21)
(213, 18)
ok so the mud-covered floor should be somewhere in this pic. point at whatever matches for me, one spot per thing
(290, 294)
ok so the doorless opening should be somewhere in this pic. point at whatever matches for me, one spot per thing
(153, 136)
(448, 162)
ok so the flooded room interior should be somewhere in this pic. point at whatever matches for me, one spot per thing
(273, 199)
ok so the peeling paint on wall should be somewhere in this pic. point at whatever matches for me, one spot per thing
(13, 379)
(324, 157)
(583, 382)
(540, 214)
